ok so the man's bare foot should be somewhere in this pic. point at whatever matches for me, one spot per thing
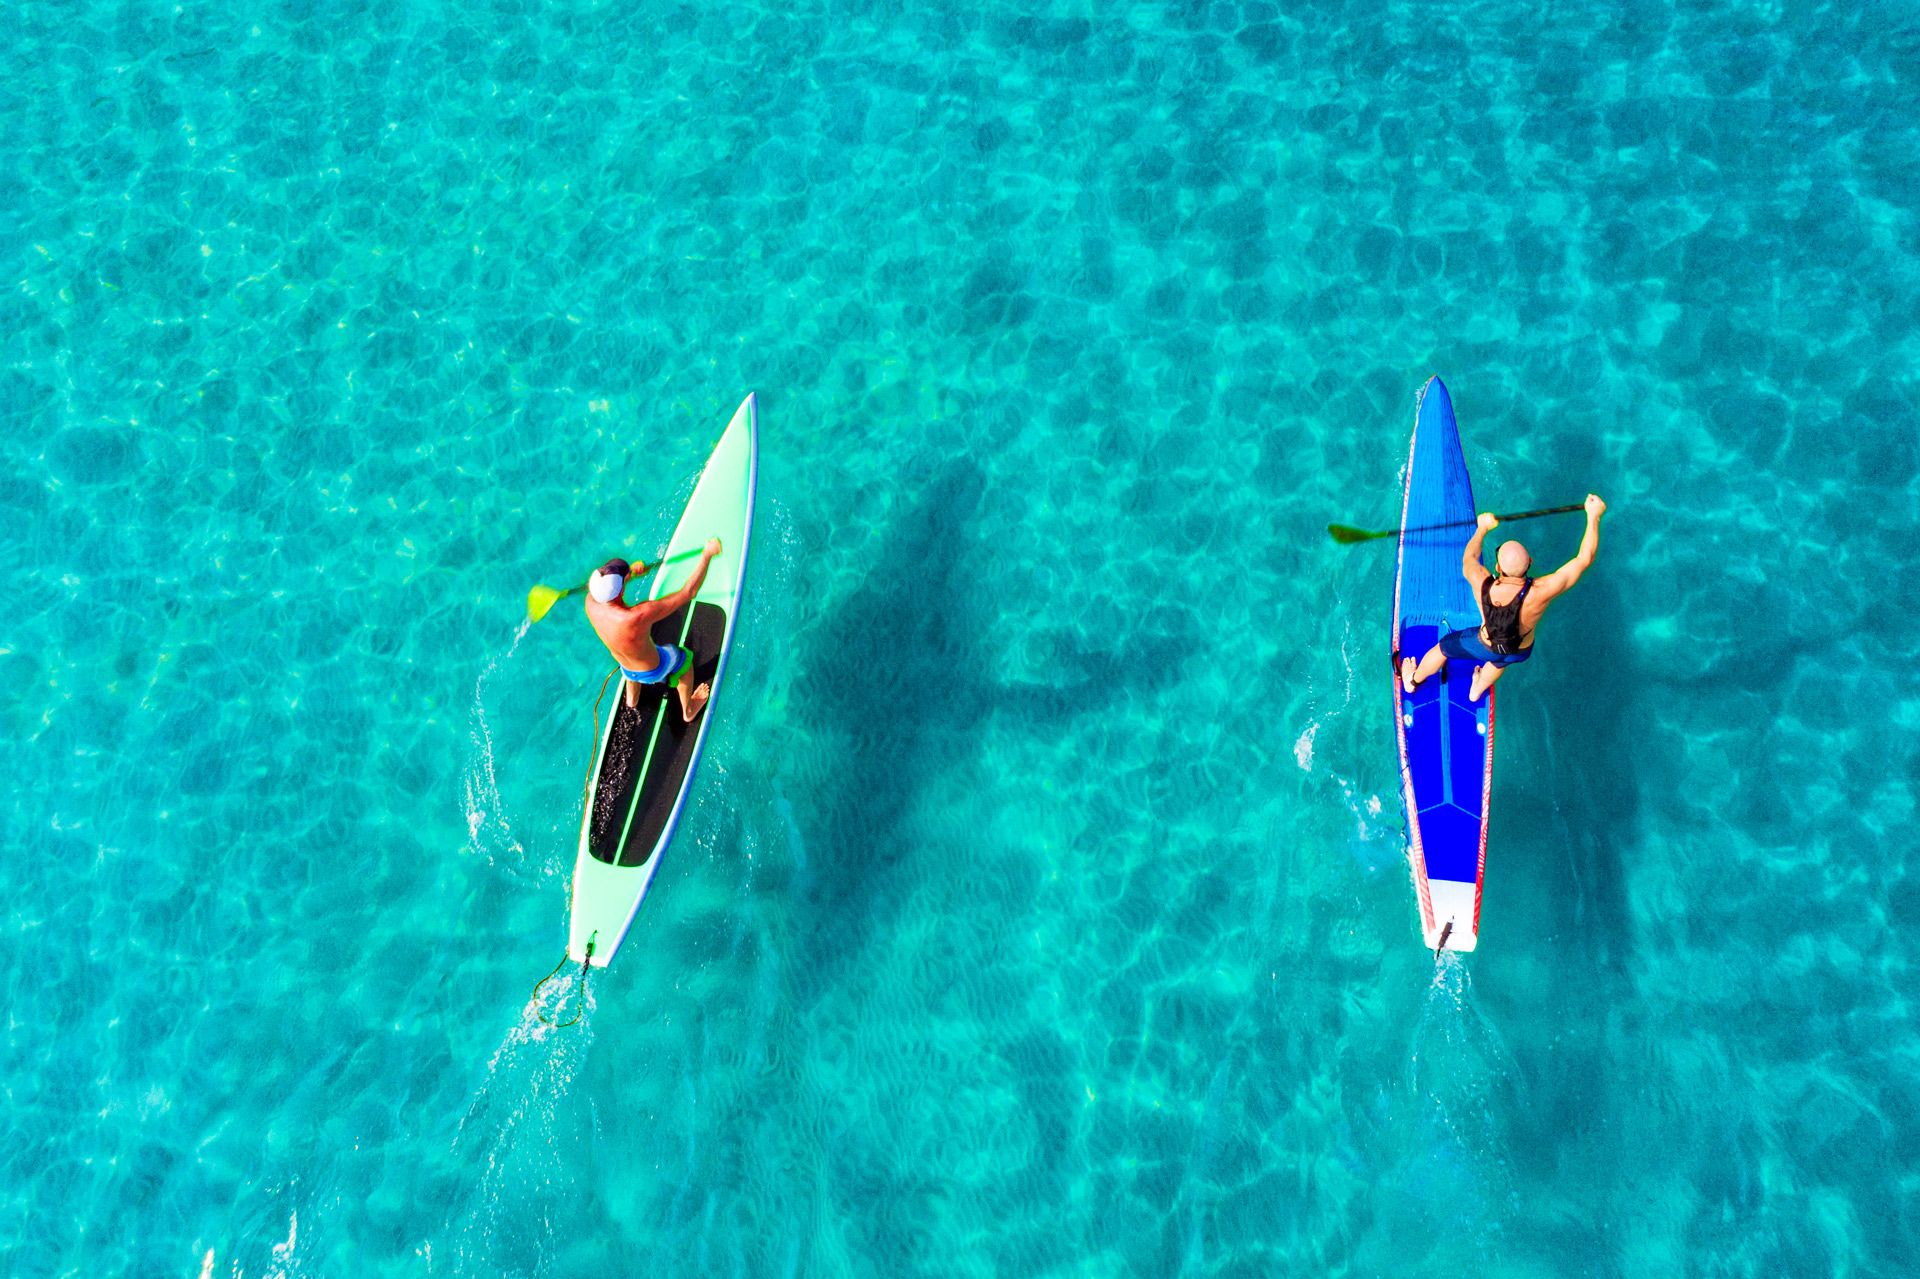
(696, 703)
(1407, 668)
(1483, 677)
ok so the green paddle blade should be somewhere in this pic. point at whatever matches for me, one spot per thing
(542, 598)
(1347, 535)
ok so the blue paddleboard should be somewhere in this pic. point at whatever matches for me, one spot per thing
(1446, 741)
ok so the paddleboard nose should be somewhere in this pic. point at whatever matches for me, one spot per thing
(1436, 405)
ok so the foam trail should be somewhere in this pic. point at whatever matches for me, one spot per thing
(526, 1134)
(285, 1264)
(1370, 847)
(486, 810)
(1463, 1077)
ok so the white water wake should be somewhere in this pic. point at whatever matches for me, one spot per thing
(1465, 1084)
(284, 1259)
(521, 1149)
(489, 831)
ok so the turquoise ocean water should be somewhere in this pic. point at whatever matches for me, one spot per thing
(1042, 908)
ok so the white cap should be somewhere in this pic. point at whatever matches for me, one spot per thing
(606, 587)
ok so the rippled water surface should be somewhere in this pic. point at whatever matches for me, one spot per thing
(1042, 909)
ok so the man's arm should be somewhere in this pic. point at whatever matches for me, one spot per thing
(1470, 565)
(1563, 578)
(673, 603)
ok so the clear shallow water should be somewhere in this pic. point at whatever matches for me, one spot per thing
(1043, 908)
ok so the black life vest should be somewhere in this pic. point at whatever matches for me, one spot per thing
(1503, 621)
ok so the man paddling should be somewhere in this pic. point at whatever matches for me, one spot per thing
(1511, 605)
(626, 630)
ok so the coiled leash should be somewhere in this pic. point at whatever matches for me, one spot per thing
(580, 1005)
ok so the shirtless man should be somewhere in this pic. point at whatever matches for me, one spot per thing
(626, 630)
(1511, 605)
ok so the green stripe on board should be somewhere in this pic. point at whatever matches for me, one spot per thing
(653, 740)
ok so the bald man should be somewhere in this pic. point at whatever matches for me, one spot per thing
(1511, 606)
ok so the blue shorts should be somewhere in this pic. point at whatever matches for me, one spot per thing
(672, 659)
(1468, 647)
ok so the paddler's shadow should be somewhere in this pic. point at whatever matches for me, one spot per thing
(902, 676)
(1567, 770)
(1569, 759)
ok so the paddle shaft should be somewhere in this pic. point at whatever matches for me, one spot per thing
(1517, 515)
(539, 605)
(645, 568)
(1348, 535)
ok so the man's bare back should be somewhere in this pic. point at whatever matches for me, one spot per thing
(1498, 591)
(627, 631)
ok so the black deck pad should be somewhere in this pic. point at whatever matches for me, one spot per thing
(624, 800)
